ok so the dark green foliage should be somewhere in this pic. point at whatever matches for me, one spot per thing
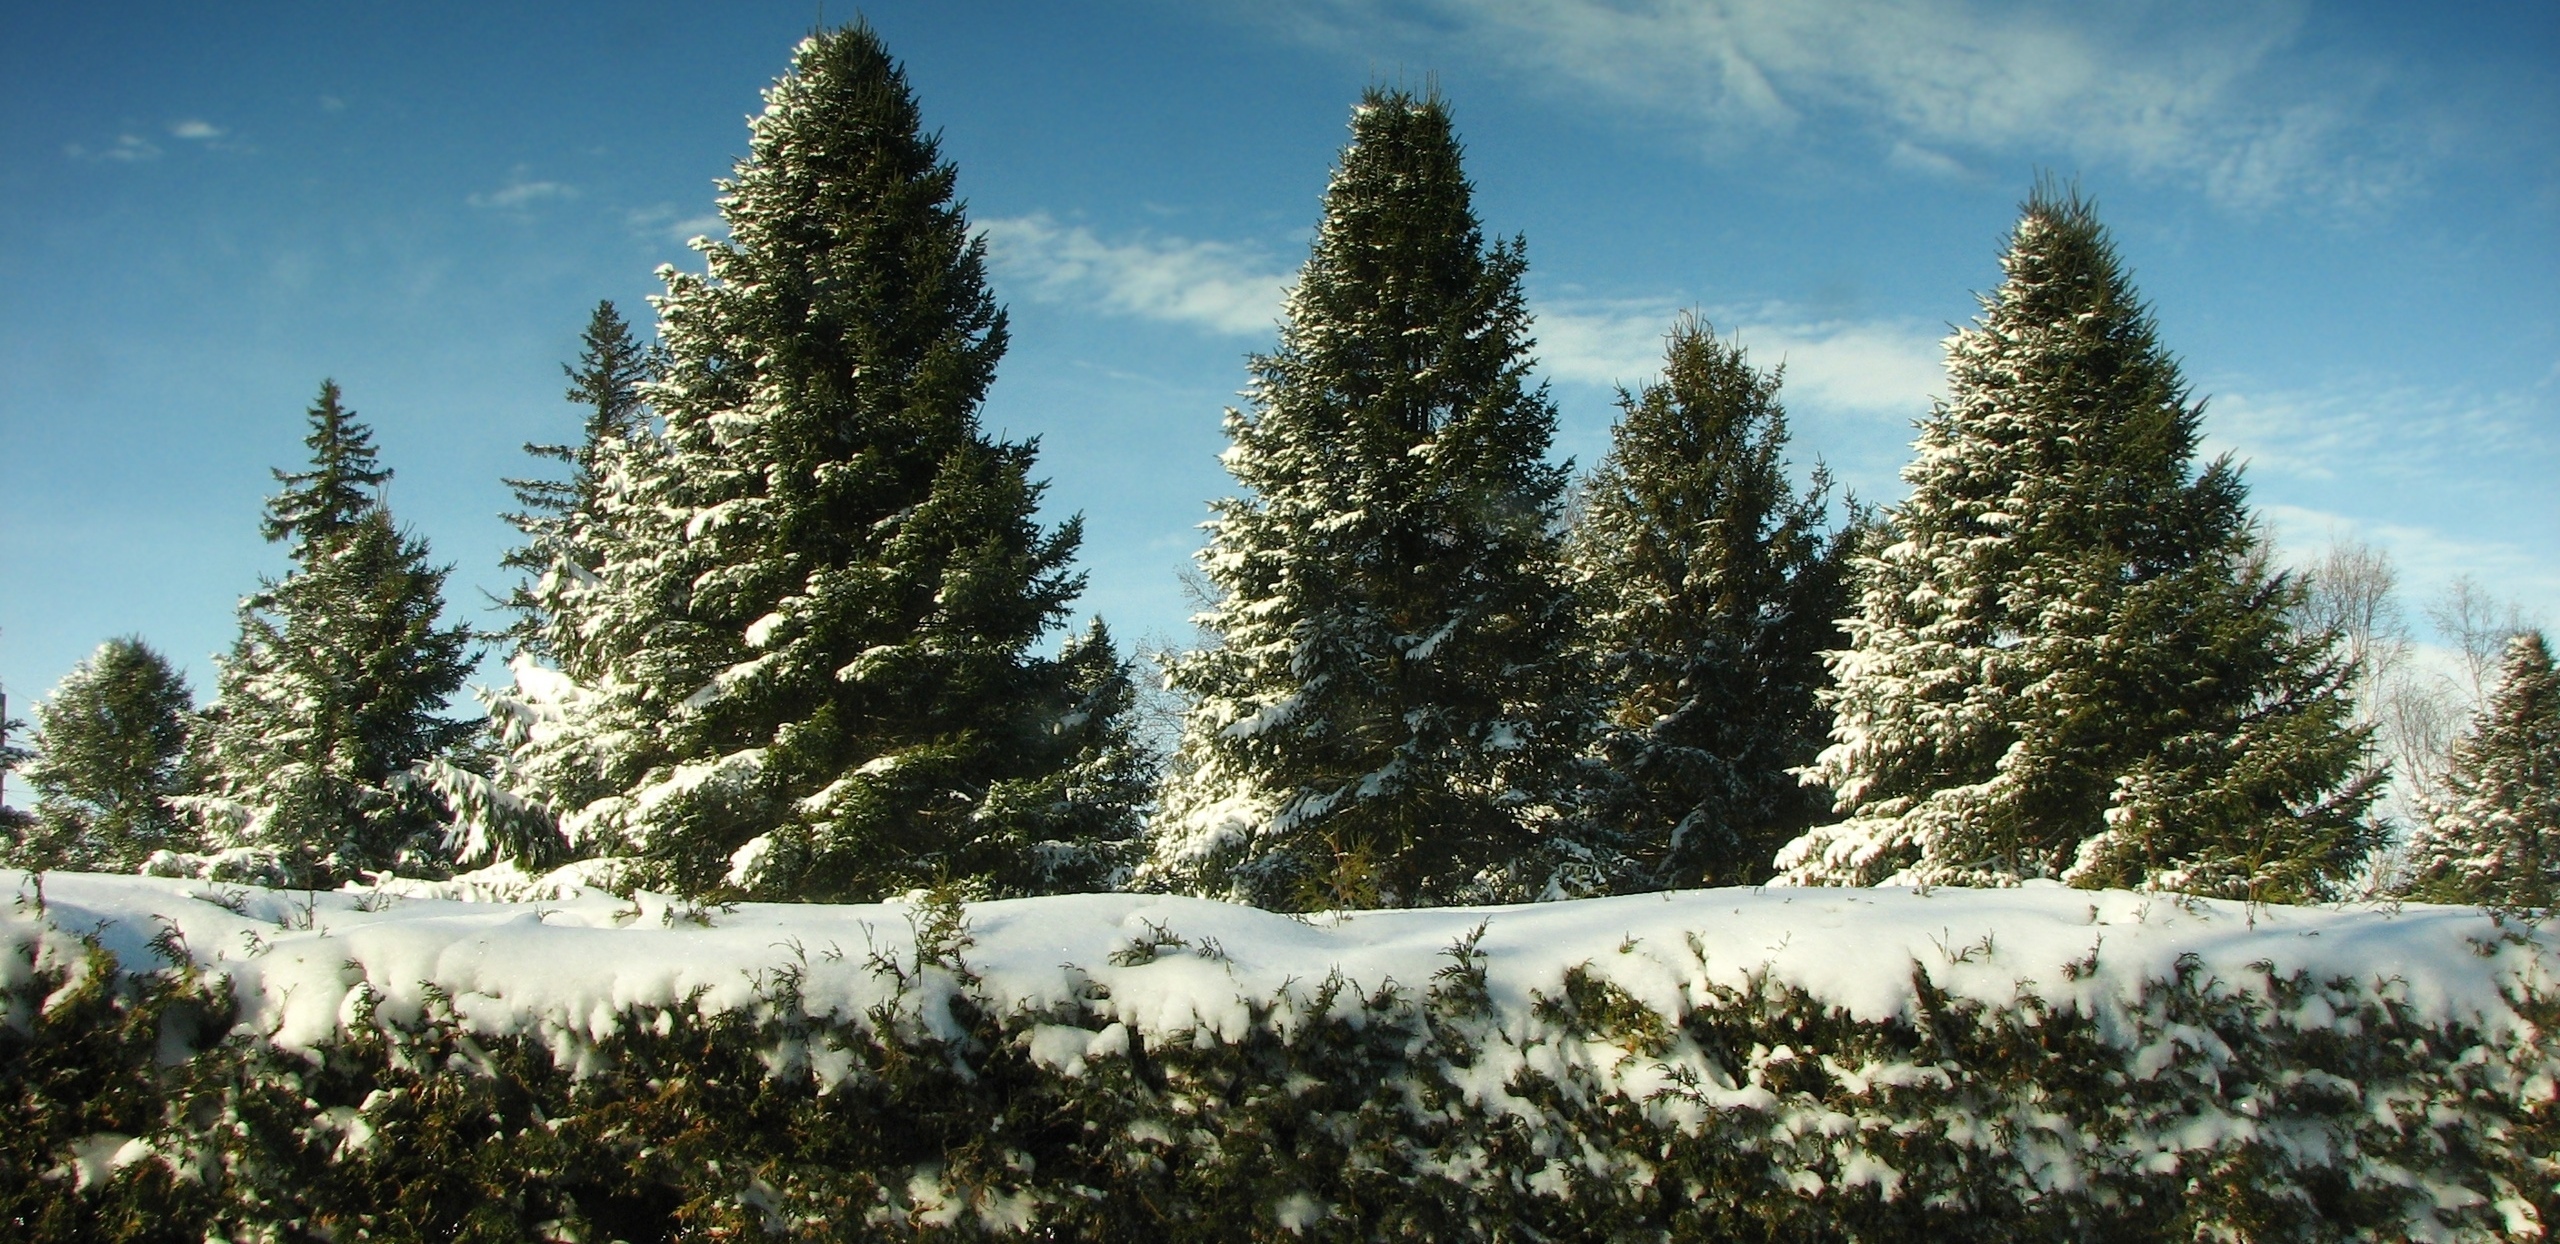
(1391, 708)
(561, 518)
(335, 691)
(342, 486)
(2492, 833)
(13, 756)
(113, 749)
(830, 690)
(1714, 591)
(1077, 827)
(2294, 1109)
(2068, 659)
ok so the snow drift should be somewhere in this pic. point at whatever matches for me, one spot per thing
(2027, 1063)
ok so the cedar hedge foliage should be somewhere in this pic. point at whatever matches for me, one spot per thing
(2300, 1109)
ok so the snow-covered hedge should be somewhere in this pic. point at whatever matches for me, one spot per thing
(183, 1058)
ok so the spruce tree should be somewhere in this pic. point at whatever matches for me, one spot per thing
(2491, 834)
(1714, 591)
(562, 520)
(333, 695)
(811, 670)
(343, 485)
(111, 751)
(2067, 660)
(550, 732)
(1390, 709)
(1079, 825)
(14, 823)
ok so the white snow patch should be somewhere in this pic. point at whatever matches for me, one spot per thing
(578, 957)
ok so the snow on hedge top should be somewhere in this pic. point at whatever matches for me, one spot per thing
(570, 967)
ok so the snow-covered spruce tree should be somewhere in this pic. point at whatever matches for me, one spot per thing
(111, 750)
(335, 691)
(814, 673)
(13, 756)
(2492, 832)
(561, 519)
(1713, 591)
(553, 734)
(1394, 698)
(2067, 660)
(1084, 818)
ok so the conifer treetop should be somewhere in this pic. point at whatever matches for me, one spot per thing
(2068, 659)
(849, 263)
(1713, 590)
(1394, 700)
(112, 746)
(1406, 332)
(343, 483)
(806, 653)
(2492, 834)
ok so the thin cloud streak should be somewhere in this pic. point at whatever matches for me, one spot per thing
(665, 221)
(1215, 286)
(520, 195)
(1231, 290)
(2368, 429)
(1867, 366)
(126, 149)
(2207, 95)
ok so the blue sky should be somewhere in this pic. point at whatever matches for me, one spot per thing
(2347, 218)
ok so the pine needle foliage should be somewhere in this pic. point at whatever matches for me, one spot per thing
(13, 757)
(2492, 832)
(1714, 589)
(1393, 699)
(346, 478)
(146, 1105)
(560, 518)
(2068, 660)
(112, 750)
(334, 693)
(809, 668)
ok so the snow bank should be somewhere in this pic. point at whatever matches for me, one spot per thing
(1880, 1064)
(579, 953)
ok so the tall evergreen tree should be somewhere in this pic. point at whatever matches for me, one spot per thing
(562, 519)
(1389, 713)
(343, 485)
(14, 822)
(550, 732)
(11, 758)
(1714, 590)
(812, 671)
(333, 695)
(2492, 832)
(111, 751)
(2066, 660)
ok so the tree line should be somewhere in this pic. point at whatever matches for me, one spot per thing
(779, 626)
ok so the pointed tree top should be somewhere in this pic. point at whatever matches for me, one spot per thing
(2061, 262)
(344, 482)
(1400, 238)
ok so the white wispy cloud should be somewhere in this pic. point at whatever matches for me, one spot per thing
(126, 149)
(1218, 286)
(2218, 95)
(520, 194)
(2378, 429)
(2427, 557)
(1235, 290)
(196, 130)
(666, 221)
(1868, 366)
